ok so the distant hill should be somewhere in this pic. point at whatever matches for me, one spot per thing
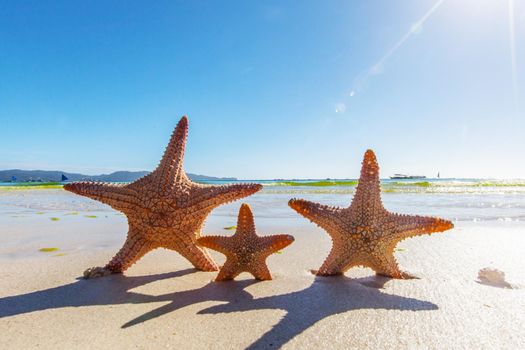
(118, 176)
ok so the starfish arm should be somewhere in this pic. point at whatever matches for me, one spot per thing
(209, 197)
(170, 168)
(133, 249)
(405, 226)
(324, 216)
(367, 196)
(228, 271)
(197, 256)
(260, 272)
(275, 243)
(218, 243)
(386, 265)
(334, 264)
(118, 196)
(245, 222)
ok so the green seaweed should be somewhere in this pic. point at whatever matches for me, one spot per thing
(499, 184)
(60, 254)
(32, 185)
(230, 227)
(40, 212)
(388, 190)
(417, 184)
(278, 252)
(54, 219)
(38, 184)
(90, 216)
(48, 249)
(72, 213)
(324, 183)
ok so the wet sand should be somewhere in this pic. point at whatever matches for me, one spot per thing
(162, 302)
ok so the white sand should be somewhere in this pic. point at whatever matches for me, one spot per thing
(162, 303)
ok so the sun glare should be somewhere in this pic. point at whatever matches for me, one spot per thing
(514, 65)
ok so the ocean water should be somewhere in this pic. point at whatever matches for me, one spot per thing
(455, 199)
(36, 217)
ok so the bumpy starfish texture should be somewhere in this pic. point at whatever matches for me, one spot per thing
(165, 209)
(245, 251)
(365, 234)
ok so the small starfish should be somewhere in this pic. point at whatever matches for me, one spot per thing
(165, 209)
(245, 251)
(366, 233)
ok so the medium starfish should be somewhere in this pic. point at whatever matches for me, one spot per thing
(165, 209)
(245, 251)
(366, 233)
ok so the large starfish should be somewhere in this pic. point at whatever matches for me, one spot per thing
(165, 209)
(245, 251)
(366, 233)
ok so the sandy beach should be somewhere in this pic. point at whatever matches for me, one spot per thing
(135, 136)
(162, 302)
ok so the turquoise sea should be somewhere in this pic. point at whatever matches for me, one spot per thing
(456, 199)
(32, 217)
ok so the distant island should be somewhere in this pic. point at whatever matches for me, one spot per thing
(17, 175)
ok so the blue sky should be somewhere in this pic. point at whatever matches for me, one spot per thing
(272, 89)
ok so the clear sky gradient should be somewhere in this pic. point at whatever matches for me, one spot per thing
(272, 89)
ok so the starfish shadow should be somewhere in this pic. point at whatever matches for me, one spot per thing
(323, 298)
(230, 292)
(110, 290)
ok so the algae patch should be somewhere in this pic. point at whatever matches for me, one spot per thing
(415, 184)
(33, 185)
(90, 216)
(324, 183)
(54, 219)
(48, 249)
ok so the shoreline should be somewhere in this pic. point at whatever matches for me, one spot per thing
(163, 302)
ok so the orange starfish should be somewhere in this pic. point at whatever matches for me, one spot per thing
(165, 209)
(366, 233)
(245, 251)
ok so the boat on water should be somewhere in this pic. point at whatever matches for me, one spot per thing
(407, 177)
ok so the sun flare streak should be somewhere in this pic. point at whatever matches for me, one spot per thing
(377, 68)
(514, 65)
